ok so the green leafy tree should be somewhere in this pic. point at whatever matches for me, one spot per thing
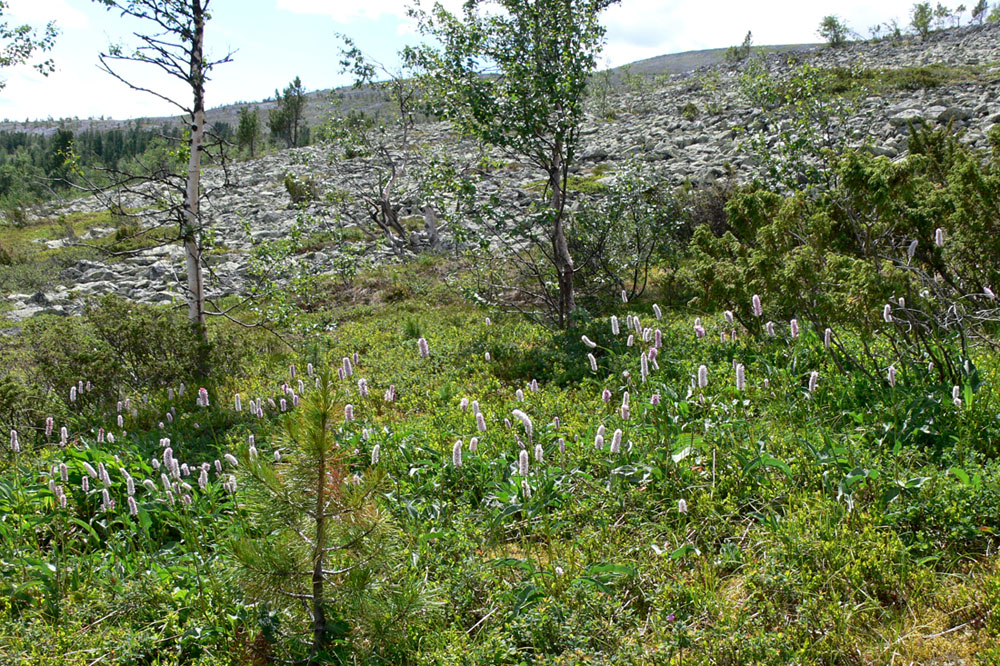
(537, 58)
(248, 131)
(285, 121)
(833, 30)
(920, 19)
(20, 43)
(979, 11)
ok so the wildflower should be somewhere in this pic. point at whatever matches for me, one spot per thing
(91, 472)
(533, 386)
(606, 395)
(599, 441)
(107, 504)
(794, 326)
(473, 444)
(657, 311)
(643, 368)
(348, 413)
(348, 368)
(956, 392)
(231, 459)
(593, 362)
(769, 327)
(729, 316)
(887, 313)
(15, 446)
(740, 377)
(251, 452)
(699, 332)
(390, 393)
(456, 453)
(657, 338)
(309, 369)
(130, 485)
(238, 403)
(522, 463)
(486, 356)
(587, 341)
(149, 485)
(475, 406)
(616, 441)
(48, 426)
(827, 337)
(892, 375)
(132, 508)
(682, 506)
(525, 421)
(755, 304)
(425, 350)
(85, 484)
(376, 450)
(630, 341)
(813, 378)
(539, 454)
(614, 324)
(989, 293)
(480, 422)
(939, 237)
(356, 357)
(277, 456)
(624, 297)
(340, 374)
(520, 395)
(911, 250)
(463, 404)
(111, 438)
(702, 376)
(654, 399)
(600, 430)
(63, 435)
(63, 472)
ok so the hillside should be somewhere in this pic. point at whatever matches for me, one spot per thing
(318, 102)
(753, 417)
(955, 78)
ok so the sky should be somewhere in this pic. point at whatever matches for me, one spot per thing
(273, 41)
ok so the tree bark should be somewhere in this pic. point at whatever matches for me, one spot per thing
(192, 251)
(560, 247)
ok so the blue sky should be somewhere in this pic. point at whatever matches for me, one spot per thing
(276, 40)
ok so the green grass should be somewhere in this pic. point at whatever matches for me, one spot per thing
(852, 522)
(847, 81)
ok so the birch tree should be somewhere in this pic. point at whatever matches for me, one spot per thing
(20, 43)
(516, 79)
(174, 44)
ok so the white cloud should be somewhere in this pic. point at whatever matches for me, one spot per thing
(646, 28)
(346, 12)
(39, 12)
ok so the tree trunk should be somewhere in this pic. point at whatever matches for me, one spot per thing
(318, 612)
(192, 252)
(560, 247)
(430, 222)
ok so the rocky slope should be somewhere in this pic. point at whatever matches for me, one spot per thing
(648, 125)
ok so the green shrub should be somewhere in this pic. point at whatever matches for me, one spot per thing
(689, 111)
(301, 190)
